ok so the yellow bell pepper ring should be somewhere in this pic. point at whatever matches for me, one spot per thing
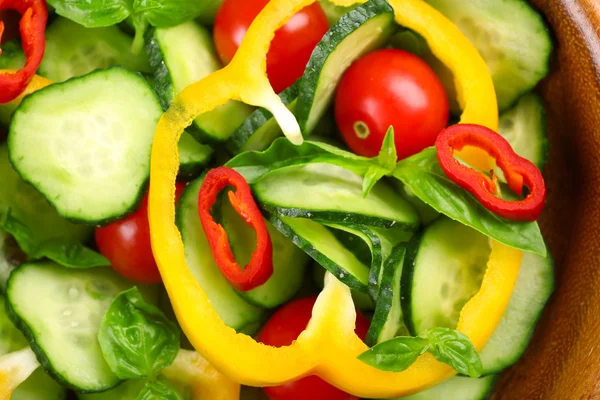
(328, 347)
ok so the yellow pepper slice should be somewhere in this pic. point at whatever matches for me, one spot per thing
(328, 347)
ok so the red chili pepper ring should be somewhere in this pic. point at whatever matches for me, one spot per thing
(32, 27)
(260, 267)
(518, 171)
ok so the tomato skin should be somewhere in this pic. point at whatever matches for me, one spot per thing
(126, 244)
(290, 49)
(281, 330)
(391, 87)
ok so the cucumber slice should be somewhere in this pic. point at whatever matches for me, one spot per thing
(73, 50)
(387, 321)
(36, 226)
(330, 193)
(11, 339)
(92, 138)
(183, 55)
(457, 388)
(59, 310)
(128, 390)
(193, 156)
(363, 29)
(524, 126)
(39, 386)
(531, 293)
(233, 309)
(511, 37)
(289, 262)
(12, 56)
(260, 129)
(334, 12)
(319, 243)
(443, 269)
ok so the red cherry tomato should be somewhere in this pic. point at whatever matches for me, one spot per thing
(126, 244)
(281, 330)
(291, 48)
(390, 87)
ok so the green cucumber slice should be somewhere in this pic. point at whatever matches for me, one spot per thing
(39, 386)
(329, 193)
(36, 226)
(443, 269)
(457, 388)
(59, 311)
(387, 321)
(289, 262)
(534, 286)
(524, 126)
(363, 29)
(193, 156)
(233, 309)
(128, 390)
(321, 244)
(92, 138)
(511, 37)
(260, 129)
(334, 12)
(73, 50)
(182, 55)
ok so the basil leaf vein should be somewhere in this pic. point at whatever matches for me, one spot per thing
(136, 338)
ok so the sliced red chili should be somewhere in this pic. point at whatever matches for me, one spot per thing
(260, 267)
(32, 27)
(518, 171)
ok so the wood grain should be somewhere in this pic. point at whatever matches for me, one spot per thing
(563, 360)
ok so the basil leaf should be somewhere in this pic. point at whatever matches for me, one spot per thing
(166, 13)
(93, 14)
(395, 355)
(455, 349)
(158, 390)
(423, 175)
(386, 159)
(136, 338)
(282, 153)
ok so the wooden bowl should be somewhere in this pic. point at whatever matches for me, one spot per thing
(563, 359)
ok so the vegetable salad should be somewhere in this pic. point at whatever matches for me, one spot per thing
(284, 199)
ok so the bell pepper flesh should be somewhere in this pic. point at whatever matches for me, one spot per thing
(328, 347)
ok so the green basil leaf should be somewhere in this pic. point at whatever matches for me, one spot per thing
(455, 349)
(166, 13)
(158, 390)
(136, 338)
(386, 159)
(93, 14)
(282, 153)
(396, 354)
(423, 175)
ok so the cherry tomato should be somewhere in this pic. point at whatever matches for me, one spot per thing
(281, 330)
(291, 48)
(386, 88)
(126, 244)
